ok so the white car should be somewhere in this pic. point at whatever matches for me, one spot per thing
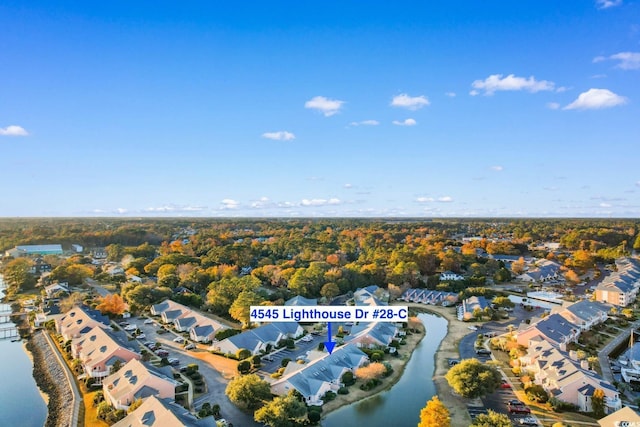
(178, 339)
(148, 321)
(141, 336)
(130, 328)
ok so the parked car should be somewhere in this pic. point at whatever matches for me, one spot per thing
(161, 353)
(141, 336)
(453, 362)
(173, 361)
(528, 421)
(505, 384)
(483, 351)
(519, 409)
(148, 321)
(473, 328)
(130, 328)
(190, 346)
(267, 357)
(178, 339)
(149, 344)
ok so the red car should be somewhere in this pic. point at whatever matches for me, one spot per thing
(505, 384)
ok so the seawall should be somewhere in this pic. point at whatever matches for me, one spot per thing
(52, 380)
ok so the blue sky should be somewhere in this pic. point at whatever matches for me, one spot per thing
(457, 108)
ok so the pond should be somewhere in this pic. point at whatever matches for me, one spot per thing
(399, 406)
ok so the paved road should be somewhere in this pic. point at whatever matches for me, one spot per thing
(96, 287)
(216, 384)
(496, 401)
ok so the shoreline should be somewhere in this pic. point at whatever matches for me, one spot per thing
(43, 394)
(357, 395)
(448, 348)
(50, 379)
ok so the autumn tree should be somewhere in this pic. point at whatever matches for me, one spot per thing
(248, 390)
(597, 403)
(472, 378)
(112, 305)
(572, 277)
(240, 309)
(435, 414)
(371, 371)
(517, 267)
(283, 411)
(491, 419)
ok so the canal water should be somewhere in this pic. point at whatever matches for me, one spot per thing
(21, 403)
(400, 405)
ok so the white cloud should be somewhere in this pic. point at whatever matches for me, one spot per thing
(606, 4)
(595, 99)
(281, 135)
(425, 199)
(445, 199)
(553, 105)
(121, 211)
(407, 122)
(13, 130)
(626, 60)
(320, 202)
(326, 106)
(365, 123)
(230, 204)
(474, 92)
(409, 102)
(348, 186)
(637, 183)
(598, 76)
(450, 94)
(497, 168)
(605, 205)
(263, 202)
(496, 82)
(174, 208)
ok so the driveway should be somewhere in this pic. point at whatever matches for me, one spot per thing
(216, 384)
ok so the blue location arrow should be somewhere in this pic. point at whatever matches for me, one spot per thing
(329, 345)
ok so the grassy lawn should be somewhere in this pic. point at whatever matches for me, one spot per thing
(90, 411)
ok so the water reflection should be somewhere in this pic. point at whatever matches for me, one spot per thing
(399, 406)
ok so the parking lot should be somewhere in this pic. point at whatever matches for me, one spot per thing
(216, 384)
(301, 349)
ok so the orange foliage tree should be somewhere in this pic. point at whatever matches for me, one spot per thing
(112, 304)
(371, 371)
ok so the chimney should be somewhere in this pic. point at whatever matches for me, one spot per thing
(563, 346)
(573, 355)
(584, 364)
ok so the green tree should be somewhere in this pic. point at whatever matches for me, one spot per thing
(244, 366)
(223, 293)
(597, 403)
(330, 290)
(435, 414)
(471, 378)
(240, 308)
(18, 276)
(248, 390)
(503, 302)
(491, 419)
(502, 275)
(283, 411)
